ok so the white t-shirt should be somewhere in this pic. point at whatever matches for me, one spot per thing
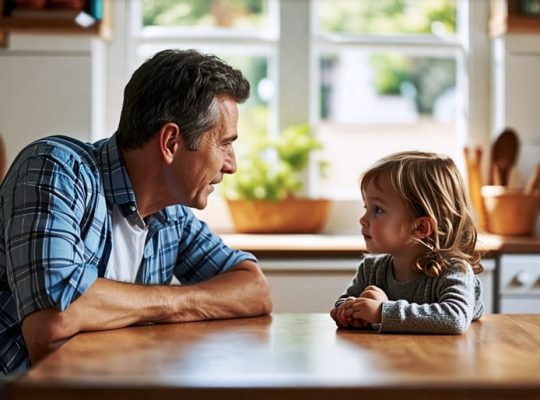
(127, 248)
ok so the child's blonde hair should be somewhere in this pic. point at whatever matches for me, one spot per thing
(430, 185)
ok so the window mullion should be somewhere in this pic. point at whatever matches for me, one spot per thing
(294, 62)
(294, 70)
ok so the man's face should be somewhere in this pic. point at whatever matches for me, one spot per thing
(197, 171)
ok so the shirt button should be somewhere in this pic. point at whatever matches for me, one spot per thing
(133, 208)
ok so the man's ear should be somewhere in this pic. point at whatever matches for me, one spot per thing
(423, 227)
(169, 141)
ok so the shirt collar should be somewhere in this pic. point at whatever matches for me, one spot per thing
(116, 182)
(117, 185)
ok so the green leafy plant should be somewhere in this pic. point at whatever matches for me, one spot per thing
(271, 169)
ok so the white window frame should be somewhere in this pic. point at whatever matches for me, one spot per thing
(295, 44)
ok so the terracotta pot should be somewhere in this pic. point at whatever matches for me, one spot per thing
(287, 216)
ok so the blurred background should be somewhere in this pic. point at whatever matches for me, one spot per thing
(371, 78)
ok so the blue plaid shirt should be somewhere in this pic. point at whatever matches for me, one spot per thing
(55, 234)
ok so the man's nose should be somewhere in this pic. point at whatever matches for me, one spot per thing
(229, 165)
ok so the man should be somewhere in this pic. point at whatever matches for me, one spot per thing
(92, 234)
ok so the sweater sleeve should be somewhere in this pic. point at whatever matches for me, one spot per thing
(357, 285)
(451, 313)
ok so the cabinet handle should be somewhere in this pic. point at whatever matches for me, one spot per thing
(523, 278)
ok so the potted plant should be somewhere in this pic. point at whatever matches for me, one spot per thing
(264, 194)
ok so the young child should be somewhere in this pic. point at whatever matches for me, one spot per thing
(420, 227)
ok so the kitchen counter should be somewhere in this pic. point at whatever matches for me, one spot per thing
(352, 245)
(297, 266)
(286, 356)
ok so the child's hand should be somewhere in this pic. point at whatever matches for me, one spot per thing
(375, 293)
(339, 315)
(363, 308)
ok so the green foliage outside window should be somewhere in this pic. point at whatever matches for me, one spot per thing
(271, 169)
(387, 16)
(203, 12)
(429, 77)
(392, 73)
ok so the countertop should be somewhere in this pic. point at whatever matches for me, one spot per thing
(348, 245)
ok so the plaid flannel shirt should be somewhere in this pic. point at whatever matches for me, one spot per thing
(55, 234)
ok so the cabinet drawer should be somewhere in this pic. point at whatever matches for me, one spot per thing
(520, 274)
(520, 305)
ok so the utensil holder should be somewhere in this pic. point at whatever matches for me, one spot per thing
(510, 211)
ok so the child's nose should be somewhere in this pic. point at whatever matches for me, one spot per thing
(363, 221)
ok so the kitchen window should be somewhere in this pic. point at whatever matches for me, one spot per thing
(242, 32)
(371, 77)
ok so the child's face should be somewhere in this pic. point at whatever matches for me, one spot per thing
(387, 225)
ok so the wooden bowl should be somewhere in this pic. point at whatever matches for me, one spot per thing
(510, 211)
(286, 216)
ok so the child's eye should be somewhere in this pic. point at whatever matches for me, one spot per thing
(377, 210)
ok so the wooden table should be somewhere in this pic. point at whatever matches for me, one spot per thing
(300, 356)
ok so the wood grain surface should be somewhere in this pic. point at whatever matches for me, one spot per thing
(286, 356)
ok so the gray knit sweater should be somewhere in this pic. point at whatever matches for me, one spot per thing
(446, 304)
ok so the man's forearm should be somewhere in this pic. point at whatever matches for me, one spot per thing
(240, 292)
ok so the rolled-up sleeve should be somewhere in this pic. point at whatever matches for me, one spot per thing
(45, 254)
(202, 254)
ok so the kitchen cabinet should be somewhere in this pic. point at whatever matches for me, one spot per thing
(307, 273)
(314, 284)
(513, 16)
(94, 19)
(519, 283)
(308, 284)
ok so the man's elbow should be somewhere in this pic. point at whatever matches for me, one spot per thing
(262, 294)
(44, 331)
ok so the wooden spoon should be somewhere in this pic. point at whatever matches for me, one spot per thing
(473, 162)
(533, 184)
(504, 155)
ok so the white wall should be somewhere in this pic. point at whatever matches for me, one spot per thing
(45, 88)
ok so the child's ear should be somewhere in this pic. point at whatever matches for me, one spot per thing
(423, 227)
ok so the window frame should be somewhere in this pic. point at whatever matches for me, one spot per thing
(294, 41)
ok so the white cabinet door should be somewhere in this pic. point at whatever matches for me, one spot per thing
(307, 285)
(519, 305)
(519, 284)
(313, 285)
